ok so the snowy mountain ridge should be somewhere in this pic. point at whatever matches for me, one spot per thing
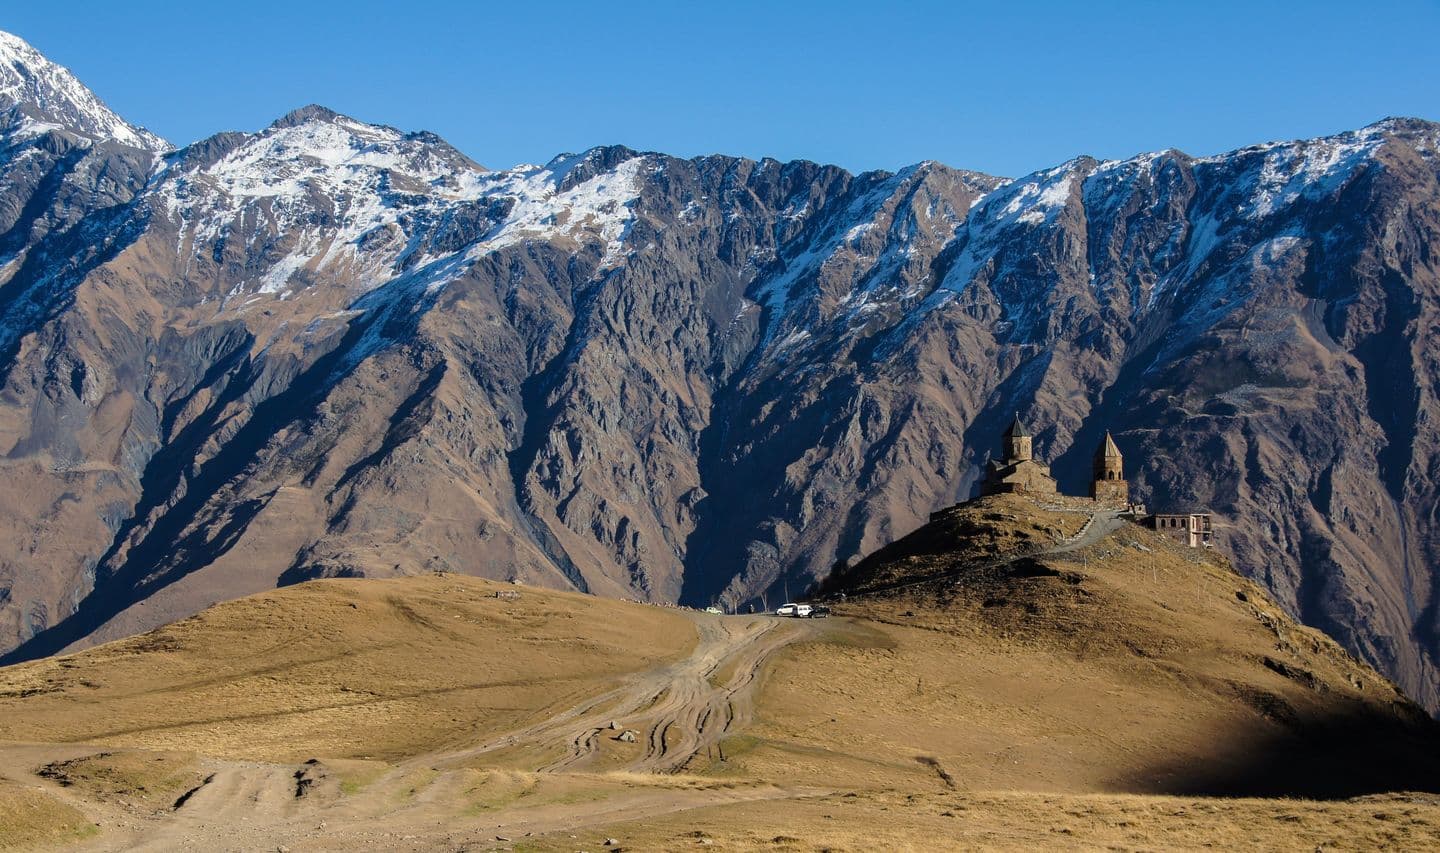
(377, 192)
(28, 78)
(375, 181)
(363, 202)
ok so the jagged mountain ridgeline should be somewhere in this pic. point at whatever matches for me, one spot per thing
(331, 348)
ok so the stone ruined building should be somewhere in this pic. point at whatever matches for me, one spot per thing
(1019, 473)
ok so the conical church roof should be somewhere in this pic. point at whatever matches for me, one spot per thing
(1017, 429)
(1107, 448)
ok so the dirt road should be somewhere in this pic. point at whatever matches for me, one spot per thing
(562, 768)
(678, 711)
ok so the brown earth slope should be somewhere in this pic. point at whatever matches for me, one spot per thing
(991, 680)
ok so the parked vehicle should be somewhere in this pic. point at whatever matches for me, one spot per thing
(800, 611)
(786, 610)
(819, 611)
(713, 609)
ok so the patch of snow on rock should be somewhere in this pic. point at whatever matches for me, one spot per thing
(1310, 169)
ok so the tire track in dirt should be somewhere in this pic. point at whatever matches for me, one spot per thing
(682, 710)
(679, 710)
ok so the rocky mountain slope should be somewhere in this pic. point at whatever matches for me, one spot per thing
(332, 348)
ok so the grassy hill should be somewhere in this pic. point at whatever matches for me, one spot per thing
(1132, 665)
(380, 669)
(1011, 675)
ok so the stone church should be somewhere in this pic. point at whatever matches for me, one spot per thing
(1018, 472)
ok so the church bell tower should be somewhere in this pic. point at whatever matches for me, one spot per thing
(1107, 484)
(1017, 442)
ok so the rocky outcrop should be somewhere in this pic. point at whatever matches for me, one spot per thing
(334, 348)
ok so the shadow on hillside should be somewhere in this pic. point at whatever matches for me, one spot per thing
(1335, 757)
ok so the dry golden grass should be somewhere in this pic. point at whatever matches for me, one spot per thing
(1012, 700)
(344, 668)
(34, 818)
(927, 821)
(1133, 665)
(496, 791)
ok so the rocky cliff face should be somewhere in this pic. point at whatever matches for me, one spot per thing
(334, 348)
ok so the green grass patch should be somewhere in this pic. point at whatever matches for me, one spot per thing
(357, 776)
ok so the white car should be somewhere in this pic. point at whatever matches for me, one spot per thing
(714, 609)
(801, 611)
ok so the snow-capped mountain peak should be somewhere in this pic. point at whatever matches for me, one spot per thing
(317, 147)
(340, 199)
(29, 80)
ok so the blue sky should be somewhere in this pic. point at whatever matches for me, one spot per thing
(1003, 87)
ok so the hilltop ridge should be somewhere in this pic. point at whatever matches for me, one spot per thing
(1289, 710)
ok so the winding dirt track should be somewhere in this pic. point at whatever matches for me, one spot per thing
(680, 711)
